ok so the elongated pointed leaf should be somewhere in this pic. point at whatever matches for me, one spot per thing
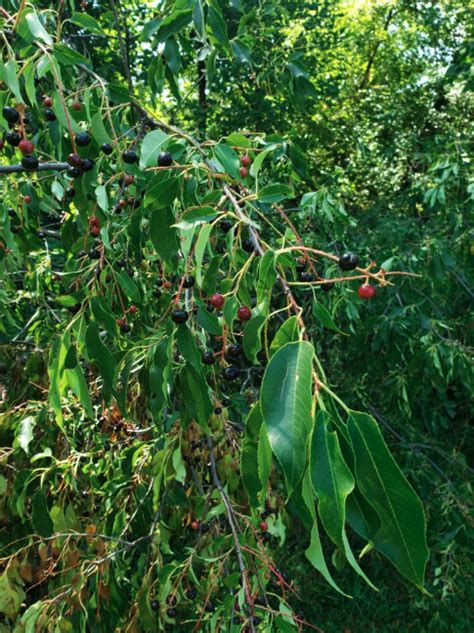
(402, 533)
(314, 552)
(286, 407)
(332, 482)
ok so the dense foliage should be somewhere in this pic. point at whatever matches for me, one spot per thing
(234, 256)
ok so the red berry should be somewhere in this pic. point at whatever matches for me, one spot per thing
(47, 102)
(245, 160)
(133, 309)
(27, 199)
(195, 525)
(167, 284)
(94, 221)
(263, 526)
(217, 300)
(77, 105)
(244, 313)
(120, 322)
(26, 147)
(122, 203)
(2, 144)
(95, 231)
(128, 179)
(243, 172)
(367, 291)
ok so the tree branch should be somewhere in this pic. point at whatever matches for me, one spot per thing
(233, 527)
(18, 168)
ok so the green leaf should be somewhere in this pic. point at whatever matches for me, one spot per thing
(322, 314)
(196, 396)
(99, 132)
(173, 24)
(274, 193)
(209, 322)
(24, 433)
(102, 199)
(55, 381)
(201, 244)
(286, 400)
(162, 191)
(314, 552)
(249, 470)
(40, 516)
(266, 276)
(37, 29)
(78, 385)
(332, 482)
(217, 26)
(68, 56)
(402, 533)
(198, 215)
(251, 342)
(129, 287)
(12, 596)
(241, 51)
(288, 333)
(264, 458)
(87, 22)
(101, 356)
(102, 314)
(187, 347)
(228, 158)
(11, 78)
(163, 234)
(151, 147)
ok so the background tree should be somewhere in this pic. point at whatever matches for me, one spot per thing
(187, 347)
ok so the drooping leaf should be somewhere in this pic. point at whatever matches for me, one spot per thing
(286, 400)
(402, 533)
(332, 482)
(40, 518)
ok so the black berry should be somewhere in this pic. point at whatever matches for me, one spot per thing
(210, 307)
(248, 245)
(83, 139)
(13, 138)
(230, 373)
(74, 172)
(226, 225)
(234, 350)
(188, 282)
(155, 605)
(125, 328)
(165, 159)
(218, 410)
(348, 261)
(129, 156)
(208, 358)
(210, 608)
(306, 277)
(70, 193)
(179, 316)
(191, 594)
(87, 164)
(10, 114)
(94, 254)
(29, 163)
(49, 115)
(171, 613)
(108, 149)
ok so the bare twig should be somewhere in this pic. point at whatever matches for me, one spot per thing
(233, 527)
